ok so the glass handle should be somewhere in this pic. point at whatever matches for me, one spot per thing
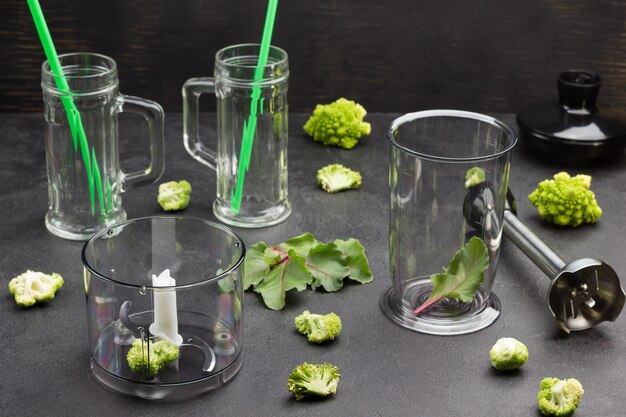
(192, 90)
(154, 115)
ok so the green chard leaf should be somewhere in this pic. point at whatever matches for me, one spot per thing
(300, 244)
(356, 261)
(462, 277)
(254, 265)
(327, 265)
(287, 275)
(300, 261)
(273, 256)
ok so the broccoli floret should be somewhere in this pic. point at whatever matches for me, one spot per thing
(160, 354)
(174, 195)
(309, 380)
(33, 287)
(474, 176)
(508, 353)
(566, 201)
(336, 177)
(559, 397)
(339, 123)
(318, 328)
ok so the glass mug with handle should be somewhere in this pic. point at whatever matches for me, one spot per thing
(85, 179)
(263, 185)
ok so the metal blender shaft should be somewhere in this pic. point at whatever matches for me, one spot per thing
(540, 253)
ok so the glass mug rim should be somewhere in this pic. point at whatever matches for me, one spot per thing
(104, 78)
(238, 264)
(410, 117)
(226, 63)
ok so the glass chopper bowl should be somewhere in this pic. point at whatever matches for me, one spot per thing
(170, 279)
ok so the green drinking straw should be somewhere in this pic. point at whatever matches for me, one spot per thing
(73, 115)
(250, 127)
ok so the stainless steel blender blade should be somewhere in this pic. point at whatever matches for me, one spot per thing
(582, 293)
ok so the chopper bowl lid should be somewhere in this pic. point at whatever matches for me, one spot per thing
(574, 128)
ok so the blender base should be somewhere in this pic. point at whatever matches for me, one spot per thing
(164, 391)
(448, 317)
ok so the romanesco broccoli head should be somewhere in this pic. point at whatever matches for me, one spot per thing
(508, 353)
(559, 397)
(34, 287)
(309, 380)
(336, 177)
(566, 201)
(148, 358)
(174, 195)
(318, 328)
(338, 124)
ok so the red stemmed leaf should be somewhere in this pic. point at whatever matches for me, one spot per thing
(462, 277)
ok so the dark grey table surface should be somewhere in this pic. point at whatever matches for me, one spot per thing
(386, 370)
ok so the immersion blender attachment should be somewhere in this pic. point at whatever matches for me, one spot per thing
(582, 293)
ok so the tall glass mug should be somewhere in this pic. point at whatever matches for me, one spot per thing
(436, 209)
(264, 199)
(85, 180)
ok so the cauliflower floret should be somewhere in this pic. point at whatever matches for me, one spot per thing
(336, 177)
(559, 397)
(318, 328)
(174, 195)
(33, 287)
(160, 354)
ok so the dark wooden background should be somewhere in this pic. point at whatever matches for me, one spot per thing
(392, 55)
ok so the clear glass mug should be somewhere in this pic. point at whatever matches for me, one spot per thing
(85, 180)
(433, 214)
(165, 278)
(264, 199)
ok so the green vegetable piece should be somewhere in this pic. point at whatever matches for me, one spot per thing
(318, 328)
(255, 265)
(149, 358)
(508, 353)
(474, 176)
(310, 380)
(34, 287)
(289, 274)
(356, 261)
(326, 263)
(559, 397)
(300, 244)
(462, 277)
(338, 124)
(174, 195)
(336, 177)
(566, 201)
(302, 261)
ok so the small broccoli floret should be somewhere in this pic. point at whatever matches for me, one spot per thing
(508, 353)
(160, 354)
(338, 124)
(318, 328)
(474, 176)
(559, 397)
(309, 380)
(174, 195)
(337, 177)
(566, 201)
(34, 287)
